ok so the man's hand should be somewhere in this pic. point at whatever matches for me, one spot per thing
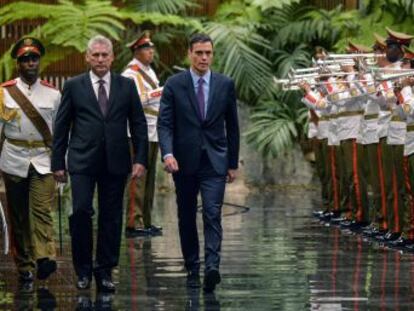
(231, 175)
(60, 176)
(170, 164)
(138, 170)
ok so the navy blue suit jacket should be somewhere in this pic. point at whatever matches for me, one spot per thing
(184, 134)
(95, 138)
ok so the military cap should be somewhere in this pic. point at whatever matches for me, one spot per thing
(142, 41)
(27, 45)
(380, 42)
(399, 38)
(357, 48)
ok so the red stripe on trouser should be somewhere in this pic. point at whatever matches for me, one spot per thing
(131, 206)
(382, 187)
(359, 213)
(334, 181)
(410, 198)
(395, 201)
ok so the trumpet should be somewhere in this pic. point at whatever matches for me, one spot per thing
(333, 62)
(394, 76)
(352, 56)
(333, 67)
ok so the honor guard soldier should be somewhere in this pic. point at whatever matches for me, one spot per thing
(27, 111)
(393, 153)
(141, 192)
(373, 115)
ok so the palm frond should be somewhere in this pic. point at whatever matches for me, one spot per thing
(237, 49)
(162, 6)
(276, 125)
(160, 19)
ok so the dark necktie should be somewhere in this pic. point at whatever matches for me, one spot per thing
(102, 97)
(200, 98)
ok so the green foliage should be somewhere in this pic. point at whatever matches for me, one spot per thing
(277, 124)
(69, 24)
(161, 6)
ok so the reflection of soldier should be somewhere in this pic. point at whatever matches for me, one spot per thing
(27, 110)
(141, 192)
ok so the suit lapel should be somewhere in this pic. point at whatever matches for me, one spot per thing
(91, 94)
(112, 93)
(211, 95)
(192, 95)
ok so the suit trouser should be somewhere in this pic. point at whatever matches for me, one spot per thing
(211, 187)
(141, 193)
(320, 147)
(393, 158)
(29, 202)
(110, 196)
(375, 176)
(354, 181)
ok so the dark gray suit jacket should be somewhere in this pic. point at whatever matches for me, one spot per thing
(182, 132)
(93, 137)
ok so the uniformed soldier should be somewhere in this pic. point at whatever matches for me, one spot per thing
(373, 152)
(406, 99)
(393, 152)
(141, 191)
(27, 111)
(350, 115)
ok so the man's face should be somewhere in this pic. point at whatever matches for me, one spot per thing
(100, 59)
(145, 55)
(201, 57)
(28, 66)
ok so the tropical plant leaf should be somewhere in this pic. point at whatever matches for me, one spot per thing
(162, 6)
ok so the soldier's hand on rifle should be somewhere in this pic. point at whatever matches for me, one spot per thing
(60, 176)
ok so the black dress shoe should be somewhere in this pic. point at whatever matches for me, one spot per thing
(83, 283)
(154, 230)
(193, 279)
(211, 279)
(318, 214)
(359, 226)
(45, 267)
(399, 243)
(136, 232)
(104, 284)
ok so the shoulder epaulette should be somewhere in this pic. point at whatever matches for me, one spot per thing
(46, 83)
(134, 67)
(8, 83)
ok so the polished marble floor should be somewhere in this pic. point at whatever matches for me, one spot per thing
(275, 257)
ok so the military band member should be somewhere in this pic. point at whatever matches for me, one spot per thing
(392, 153)
(350, 114)
(27, 112)
(373, 150)
(141, 192)
(405, 97)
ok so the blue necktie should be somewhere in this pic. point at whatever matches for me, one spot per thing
(200, 98)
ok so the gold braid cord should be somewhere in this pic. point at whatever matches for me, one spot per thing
(6, 114)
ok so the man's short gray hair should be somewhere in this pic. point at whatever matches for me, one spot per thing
(99, 39)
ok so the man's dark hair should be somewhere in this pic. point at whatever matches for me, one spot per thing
(199, 38)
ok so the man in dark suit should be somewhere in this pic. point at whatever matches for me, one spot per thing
(199, 140)
(95, 110)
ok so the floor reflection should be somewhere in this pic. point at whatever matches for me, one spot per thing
(275, 257)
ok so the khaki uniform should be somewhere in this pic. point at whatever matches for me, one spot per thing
(141, 192)
(25, 163)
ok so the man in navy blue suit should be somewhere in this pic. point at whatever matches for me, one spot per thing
(199, 139)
